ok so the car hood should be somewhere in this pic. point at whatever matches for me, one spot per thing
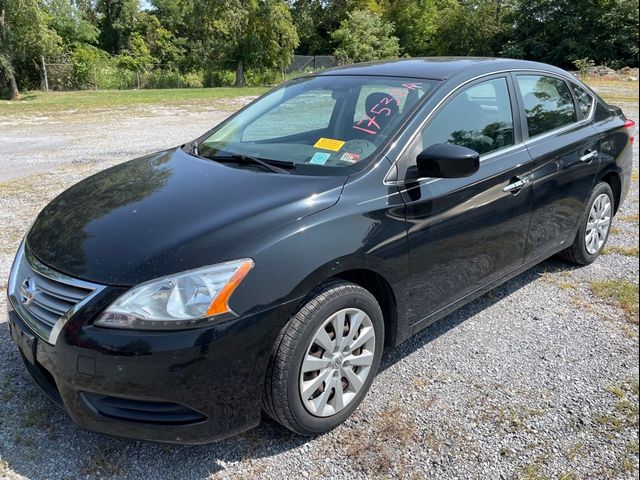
(167, 213)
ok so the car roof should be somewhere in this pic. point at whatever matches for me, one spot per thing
(438, 68)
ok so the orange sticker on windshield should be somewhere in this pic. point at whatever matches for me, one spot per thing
(329, 144)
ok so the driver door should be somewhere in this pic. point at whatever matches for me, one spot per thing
(465, 233)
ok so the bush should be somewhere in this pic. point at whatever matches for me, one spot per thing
(192, 80)
(110, 77)
(161, 79)
(262, 77)
(219, 78)
(85, 61)
(253, 77)
(584, 65)
(301, 73)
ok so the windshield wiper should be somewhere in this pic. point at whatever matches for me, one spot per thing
(269, 165)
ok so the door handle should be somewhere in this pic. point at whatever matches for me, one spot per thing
(516, 185)
(589, 155)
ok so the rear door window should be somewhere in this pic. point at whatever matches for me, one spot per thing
(548, 103)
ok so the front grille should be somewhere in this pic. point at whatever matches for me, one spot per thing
(42, 296)
(141, 411)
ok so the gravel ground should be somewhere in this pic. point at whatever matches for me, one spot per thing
(537, 379)
(31, 144)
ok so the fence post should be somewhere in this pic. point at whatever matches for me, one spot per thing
(95, 79)
(44, 72)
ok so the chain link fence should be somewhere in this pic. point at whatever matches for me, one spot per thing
(304, 63)
(108, 75)
(67, 76)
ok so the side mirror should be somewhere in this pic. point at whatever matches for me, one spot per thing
(447, 160)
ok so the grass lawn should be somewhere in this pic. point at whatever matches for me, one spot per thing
(36, 101)
(39, 102)
(615, 91)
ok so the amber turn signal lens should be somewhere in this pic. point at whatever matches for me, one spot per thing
(220, 304)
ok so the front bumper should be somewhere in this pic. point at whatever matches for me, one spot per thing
(191, 387)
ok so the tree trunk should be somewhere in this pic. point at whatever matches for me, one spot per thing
(9, 76)
(13, 88)
(240, 74)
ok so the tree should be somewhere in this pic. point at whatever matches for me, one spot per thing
(162, 44)
(7, 72)
(315, 20)
(365, 36)
(70, 23)
(561, 32)
(172, 13)
(24, 38)
(310, 19)
(416, 23)
(137, 57)
(620, 33)
(117, 23)
(476, 27)
(244, 34)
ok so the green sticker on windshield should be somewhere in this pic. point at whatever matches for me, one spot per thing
(319, 158)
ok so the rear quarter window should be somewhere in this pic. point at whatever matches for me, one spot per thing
(585, 100)
(548, 103)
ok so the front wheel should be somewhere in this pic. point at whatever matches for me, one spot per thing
(595, 227)
(325, 359)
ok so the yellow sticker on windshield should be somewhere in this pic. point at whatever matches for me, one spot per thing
(329, 144)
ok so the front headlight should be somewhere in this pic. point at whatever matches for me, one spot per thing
(177, 301)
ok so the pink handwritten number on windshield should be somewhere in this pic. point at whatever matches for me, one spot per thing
(399, 93)
(372, 127)
(370, 122)
(412, 86)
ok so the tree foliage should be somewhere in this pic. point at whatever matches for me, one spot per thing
(416, 23)
(227, 41)
(117, 23)
(25, 37)
(316, 20)
(70, 24)
(474, 28)
(364, 36)
(605, 31)
(245, 34)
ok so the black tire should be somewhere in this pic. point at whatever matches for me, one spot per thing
(282, 400)
(577, 253)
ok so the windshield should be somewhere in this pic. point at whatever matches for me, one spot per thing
(318, 125)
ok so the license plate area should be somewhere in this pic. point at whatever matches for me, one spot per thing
(26, 341)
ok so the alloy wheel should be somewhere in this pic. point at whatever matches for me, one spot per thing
(337, 362)
(598, 224)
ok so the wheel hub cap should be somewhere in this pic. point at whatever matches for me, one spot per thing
(337, 362)
(598, 224)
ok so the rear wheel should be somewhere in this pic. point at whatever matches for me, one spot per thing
(325, 359)
(595, 227)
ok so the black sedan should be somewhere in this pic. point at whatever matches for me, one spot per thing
(267, 264)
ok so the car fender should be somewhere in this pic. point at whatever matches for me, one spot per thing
(292, 261)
